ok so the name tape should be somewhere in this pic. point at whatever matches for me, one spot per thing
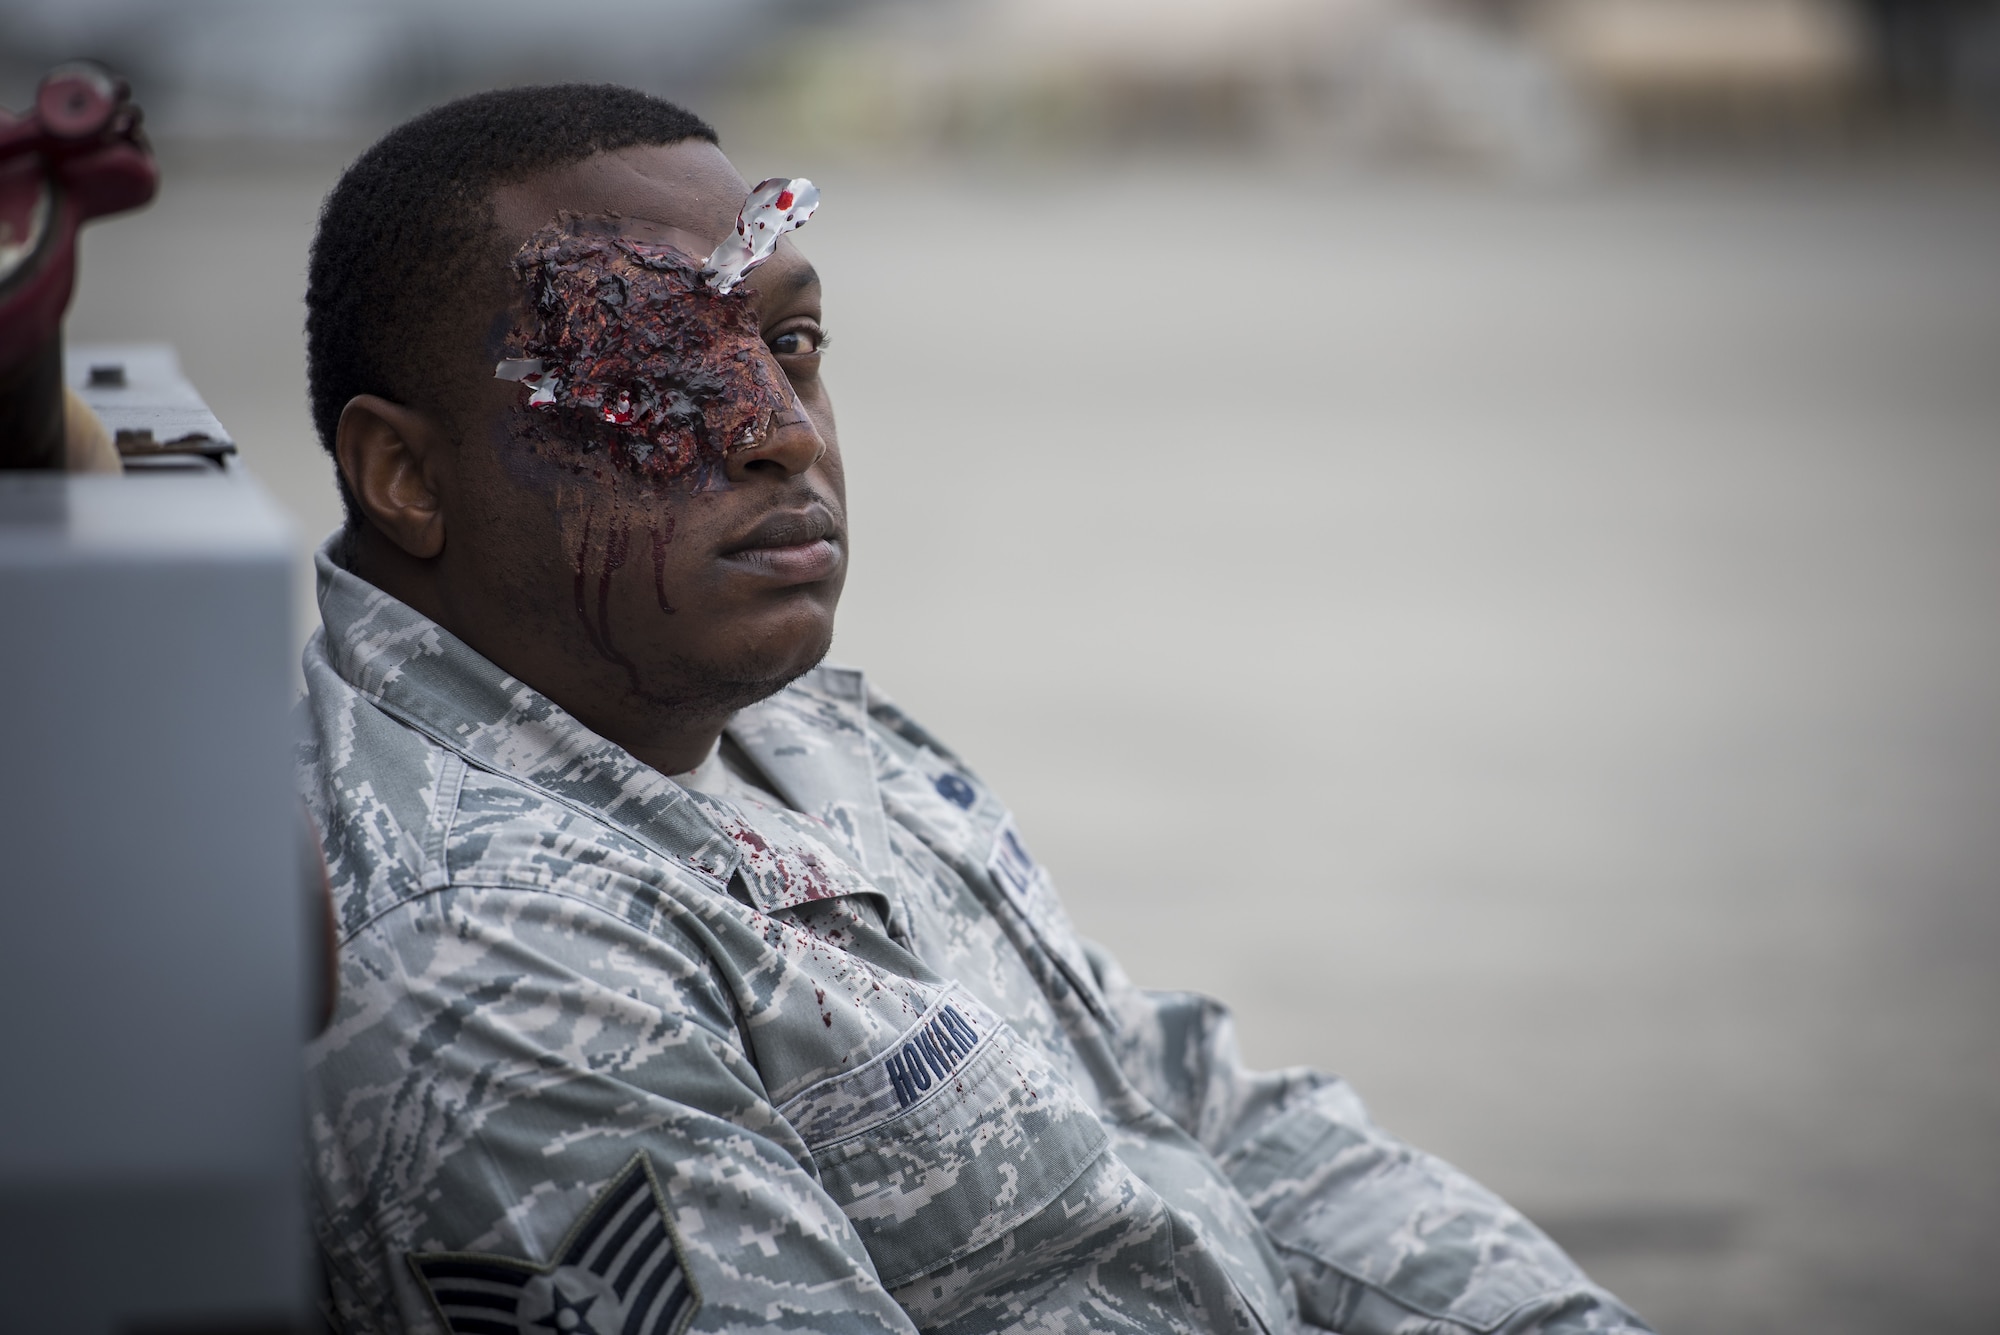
(932, 1051)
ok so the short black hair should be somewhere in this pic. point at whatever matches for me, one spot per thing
(403, 236)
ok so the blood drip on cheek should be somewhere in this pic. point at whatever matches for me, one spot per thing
(645, 367)
(617, 542)
(598, 528)
(641, 363)
(649, 380)
(663, 533)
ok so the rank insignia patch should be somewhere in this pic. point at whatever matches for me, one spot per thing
(617, 1273)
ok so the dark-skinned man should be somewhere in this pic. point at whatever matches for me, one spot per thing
(686, 983)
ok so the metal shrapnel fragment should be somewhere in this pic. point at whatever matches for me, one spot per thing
(529, 371)
(775, 207)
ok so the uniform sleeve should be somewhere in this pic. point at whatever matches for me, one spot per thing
(1378, 1237)
(526, 1102)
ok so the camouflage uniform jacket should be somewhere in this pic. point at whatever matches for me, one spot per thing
(613, 1055)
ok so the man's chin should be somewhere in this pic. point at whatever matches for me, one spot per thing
(703, 688)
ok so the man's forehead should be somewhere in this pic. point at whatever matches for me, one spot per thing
(688, 188)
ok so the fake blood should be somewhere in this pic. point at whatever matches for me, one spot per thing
(798, 870)
(653, 362)
(582, 573)
(663, 533)
(643, 360)
(617, 546)
(617, 543)
(645, 372)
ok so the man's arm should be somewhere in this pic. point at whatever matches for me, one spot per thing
(1379, 1237)
(525, 1101)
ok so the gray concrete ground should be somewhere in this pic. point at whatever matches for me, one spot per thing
(1533, 651)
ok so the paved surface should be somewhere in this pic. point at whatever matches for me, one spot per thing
(1574, 613)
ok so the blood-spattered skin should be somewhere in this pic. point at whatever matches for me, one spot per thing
(638, 376)
(640, 358)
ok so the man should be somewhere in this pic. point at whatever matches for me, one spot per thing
(686, 984)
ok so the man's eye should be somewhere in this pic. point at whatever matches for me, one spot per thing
(798, 342)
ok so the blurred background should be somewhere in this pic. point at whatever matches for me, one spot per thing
(1469, 531)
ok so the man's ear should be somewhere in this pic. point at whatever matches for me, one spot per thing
(394, 458)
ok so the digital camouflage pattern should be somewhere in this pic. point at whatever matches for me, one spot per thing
(615, 1054)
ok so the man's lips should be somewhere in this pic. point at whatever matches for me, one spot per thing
(790, 546)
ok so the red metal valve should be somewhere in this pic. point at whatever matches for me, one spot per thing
(78, 155)
(77, 101)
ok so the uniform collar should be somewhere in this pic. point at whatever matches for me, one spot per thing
(811, 739)
(422, 674)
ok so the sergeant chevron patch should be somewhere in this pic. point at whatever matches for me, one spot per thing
(617, 1273)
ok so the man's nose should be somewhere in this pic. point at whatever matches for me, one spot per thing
(791, 446)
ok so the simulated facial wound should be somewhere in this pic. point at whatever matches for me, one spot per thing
(644, 368)
(646, 354)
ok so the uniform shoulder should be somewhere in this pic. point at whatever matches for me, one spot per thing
(380, 793)
(402, 813)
